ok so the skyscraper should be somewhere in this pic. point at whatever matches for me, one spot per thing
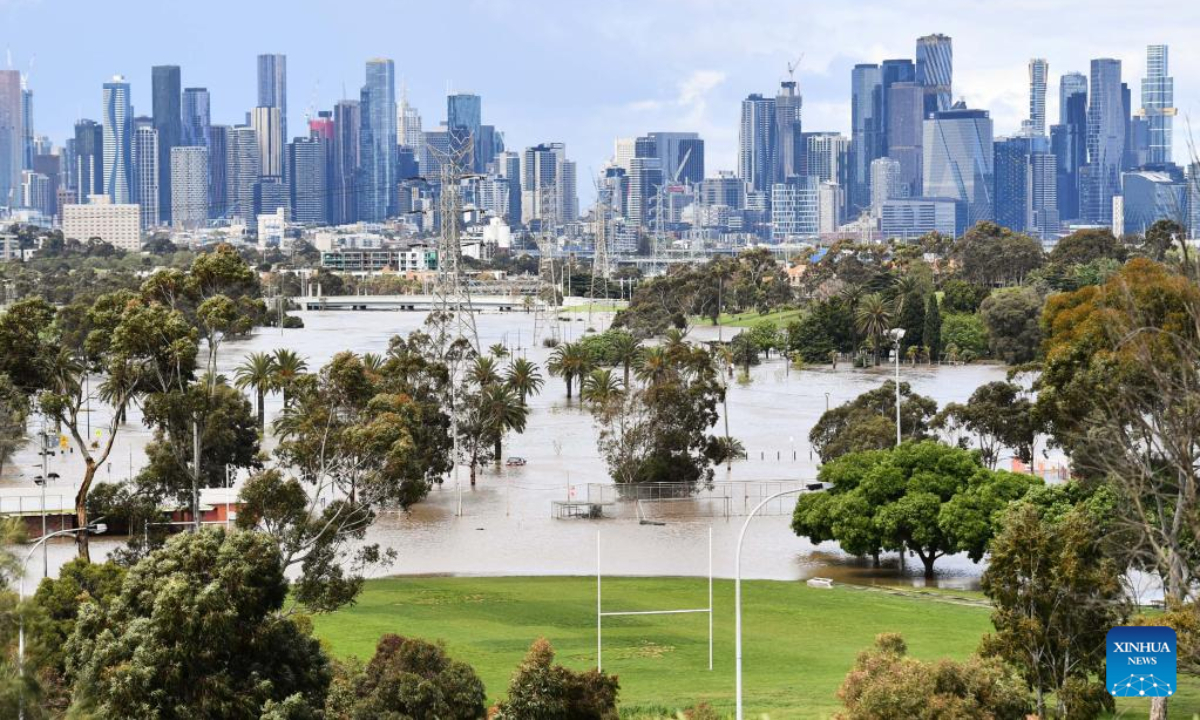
(196, 117)
(377, 189)
(168, 124)
(11, 137)
(905, 123)
(958, 160)
(795, 209)
(88, 158)
(508, 165)
(1100, 178)
(935, 71)
(408, 129)
(891, 72)
(242, 164)
(1039, 69)
(789, 143)
(347, 128)
(272, 88)
(218, 170)
(1072, 83)
(1158, 101)
(118, 142)
(268, 128)
(145, 171)
(309, 186)
(464, 116)
(545, 191)
(27, 135)
(756, 143)
(189, 187)
(866, 122)
(886, 182)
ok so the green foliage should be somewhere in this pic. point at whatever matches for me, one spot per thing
(1088, 245)
(989, 254)
(1011, 317)
(1056, 593)
(411, 678)
(912, 318)
(1000, 417)
(828, 327)
(925, 498)
(541, 690)
(660, 431)
(196, 630)
(26, 343)
(960, 296)
(962, 334)
(868, 422)
(13, 411)
(886, 684)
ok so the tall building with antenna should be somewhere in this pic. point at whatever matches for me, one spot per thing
(11, 137)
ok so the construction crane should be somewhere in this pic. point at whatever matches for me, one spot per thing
(793, 67)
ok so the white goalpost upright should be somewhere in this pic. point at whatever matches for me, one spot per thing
(601, 614)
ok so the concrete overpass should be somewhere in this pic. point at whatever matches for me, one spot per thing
(412, 303)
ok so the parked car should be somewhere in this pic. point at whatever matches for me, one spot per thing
(515, 461)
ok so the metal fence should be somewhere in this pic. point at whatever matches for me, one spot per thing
(652, 502)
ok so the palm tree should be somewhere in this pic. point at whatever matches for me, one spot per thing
(501, 410)
(912, 353)
(626, 351)
(483, 371)
(498, 351)
(873, 319)
(523, 377)
(570, 360)
(373, 363)
(654, 365)
(288, 367)
(257, 372)
(601, 388)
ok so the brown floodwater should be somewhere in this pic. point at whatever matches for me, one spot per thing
(507, 527)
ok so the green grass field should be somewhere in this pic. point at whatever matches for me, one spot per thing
(781, 318)
(798, 641)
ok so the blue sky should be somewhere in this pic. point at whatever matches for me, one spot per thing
(582, 72)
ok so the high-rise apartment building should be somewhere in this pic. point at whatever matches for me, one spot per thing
(958, 160)
(118, 142)
(189, 187)
(905, 131)
(218, 170)
(268, 128)
(145, 171)
(408, 127)
(347, 126)
(167, 93)
(307, 163)
(795, 209)
(242, 165)
(935, 71)
(1039, 70)
(1158, 105)
(272, 88)
(377, 186)
(886, 182)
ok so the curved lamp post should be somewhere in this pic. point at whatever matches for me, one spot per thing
(738, 588)
(94, 529)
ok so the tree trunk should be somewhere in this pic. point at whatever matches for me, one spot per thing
(875, 556)
(928, 561)
(568, 387)
(81, 517)
(1158, 708)
(499, 438)
(473, 464)
(262, 413)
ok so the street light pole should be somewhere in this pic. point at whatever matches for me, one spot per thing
(98, 529)
(897, 335)
(737, 589)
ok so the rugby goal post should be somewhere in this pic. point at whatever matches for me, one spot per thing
(601, 613)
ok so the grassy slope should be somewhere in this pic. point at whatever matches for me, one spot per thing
(781, 318)
(799, 642)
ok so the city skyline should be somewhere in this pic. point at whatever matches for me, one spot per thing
(698, 85)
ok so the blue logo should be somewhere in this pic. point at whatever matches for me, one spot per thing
(1141, 661)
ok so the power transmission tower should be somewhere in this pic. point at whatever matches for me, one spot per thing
(545, 308)
(601, 269)
(452, 292)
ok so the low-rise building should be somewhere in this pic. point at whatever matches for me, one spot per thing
(117, 225)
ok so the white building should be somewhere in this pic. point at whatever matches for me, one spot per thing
(498, 234)
(10, 247)
(271, 229)
(117, 225)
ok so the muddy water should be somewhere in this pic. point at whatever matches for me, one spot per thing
(506, 526)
